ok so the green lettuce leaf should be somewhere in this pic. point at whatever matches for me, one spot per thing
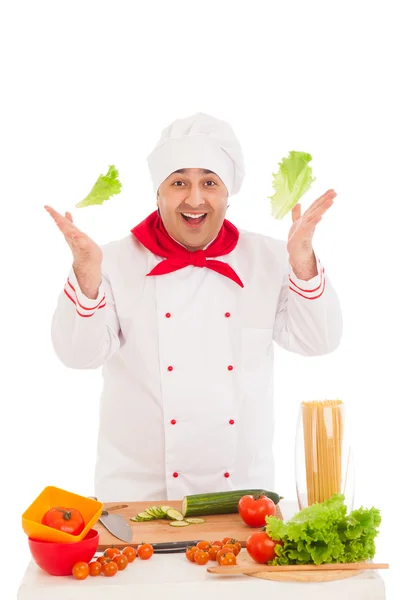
(324, 533)
(290, 183)
(105, 187)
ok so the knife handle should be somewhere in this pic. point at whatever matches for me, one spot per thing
(111, 508)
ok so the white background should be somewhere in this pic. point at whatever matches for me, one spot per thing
(88, 84)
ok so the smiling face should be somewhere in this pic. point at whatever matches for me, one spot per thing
(192, 204)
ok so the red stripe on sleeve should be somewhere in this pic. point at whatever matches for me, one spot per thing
(309, 291)
(307, 297)
(85, 315)
(84, 307)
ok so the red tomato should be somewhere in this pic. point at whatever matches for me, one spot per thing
(213, 551)
(102, 560)
(190, 552)
(204, 546)
(121, 561)
(80, 570)
(237, 544)
(109, 569)
(130, 553)
(253, 510)
(233, 541)
(94, 568)
(68, 520)
(111, 552)
(232, 548)
(228, 559)
(260, 547)
(201, 557)
(221, 552)
(220, 544)
(145, 551)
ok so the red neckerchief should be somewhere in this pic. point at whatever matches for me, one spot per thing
(153, 235)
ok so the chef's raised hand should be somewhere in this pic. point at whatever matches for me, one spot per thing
(300, 247)
(87, 255)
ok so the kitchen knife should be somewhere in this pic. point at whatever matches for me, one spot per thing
(173, 547)
(116, 525)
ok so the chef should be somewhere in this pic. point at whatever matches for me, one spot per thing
(182, 314)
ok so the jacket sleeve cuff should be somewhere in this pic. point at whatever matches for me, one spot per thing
(312, 289)
(85, 307)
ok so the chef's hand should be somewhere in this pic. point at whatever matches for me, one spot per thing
(87, 255)
(300, 248)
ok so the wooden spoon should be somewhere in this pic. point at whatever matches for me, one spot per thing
(258, 568)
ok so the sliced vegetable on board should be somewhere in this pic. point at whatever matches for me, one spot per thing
(166, 512)
(291, 182)
(179, 524)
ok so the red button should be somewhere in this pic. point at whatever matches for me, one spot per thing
(226, 475)
(231, 422)
(168, 315)
(170, 368)
(230, 368)
(173, 422)
(175, 474)
(227, 314)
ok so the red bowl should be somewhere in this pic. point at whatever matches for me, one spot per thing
(58, 558)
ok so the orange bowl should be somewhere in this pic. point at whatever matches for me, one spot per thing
(51, 497)
(58, 559)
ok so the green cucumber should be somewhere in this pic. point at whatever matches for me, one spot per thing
(179, 524)
(220, 503)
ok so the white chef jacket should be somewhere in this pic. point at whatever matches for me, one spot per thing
(187, 360)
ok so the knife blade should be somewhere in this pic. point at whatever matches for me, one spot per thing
(116, 525)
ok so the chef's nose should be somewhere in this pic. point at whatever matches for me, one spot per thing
(195, 198)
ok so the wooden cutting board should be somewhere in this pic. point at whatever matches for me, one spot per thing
(216, 527)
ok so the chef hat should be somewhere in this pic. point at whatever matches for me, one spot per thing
(198, 142)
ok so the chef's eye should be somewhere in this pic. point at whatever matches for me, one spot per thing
(178, 183)
(210, 183)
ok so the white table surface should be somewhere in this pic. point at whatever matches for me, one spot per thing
(173, 576)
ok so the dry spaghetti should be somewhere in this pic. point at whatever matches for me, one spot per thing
(323, 436)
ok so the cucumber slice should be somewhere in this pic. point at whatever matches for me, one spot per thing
(150, 511)
(194, 521)
(179, 524)
(165, 509)
(144, 516)
(159, 511)
(174, 514)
